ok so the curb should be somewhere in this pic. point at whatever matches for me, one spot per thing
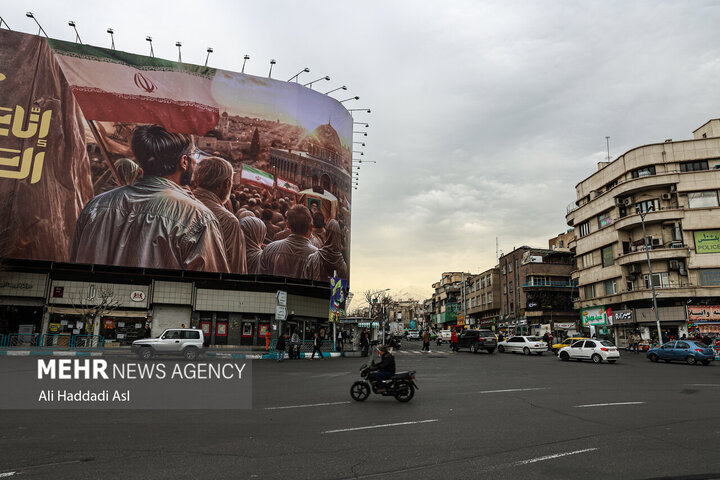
(269, 356)
(41, 353)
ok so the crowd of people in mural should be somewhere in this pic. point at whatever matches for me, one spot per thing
(176, 213)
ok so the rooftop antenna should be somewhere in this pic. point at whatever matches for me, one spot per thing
(607, 140)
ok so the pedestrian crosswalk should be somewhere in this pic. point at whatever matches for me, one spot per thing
(431, 353)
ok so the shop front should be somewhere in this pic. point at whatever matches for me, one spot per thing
(623, 325)
(673, 323)
(704, 320)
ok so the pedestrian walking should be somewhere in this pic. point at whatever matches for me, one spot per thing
(426, 341)
(317, 343)
(340, 343)
(635, 343)
(280, 348)
(453, 340)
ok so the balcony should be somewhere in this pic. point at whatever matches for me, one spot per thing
(634, 221)
(656, 253)
(550, 284)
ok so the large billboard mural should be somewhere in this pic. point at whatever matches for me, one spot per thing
(74, 187)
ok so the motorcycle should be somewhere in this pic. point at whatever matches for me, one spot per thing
(401, 386)
(394, 342)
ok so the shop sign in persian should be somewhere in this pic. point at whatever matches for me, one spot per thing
(704, 313)
(594, 316)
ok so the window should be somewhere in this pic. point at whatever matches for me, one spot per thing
(610, 287)
(584, 229)
(647, 206)
(682, 345)
(611, 185)
(660, 280)
(703, 199)
(607, 256)
(474, 301)
(489, 280)
(504, 289)
(590, 290)
(479, 284)
(694, 166)
(629, 286)
(482, 299)
(643, 172)
(510, 267)
(589, 344)
(587, 260)
(504, 272)
(511, 287)
(489, 298)
(604, 220)
(482, 282)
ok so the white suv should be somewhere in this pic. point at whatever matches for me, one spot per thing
(187, 342)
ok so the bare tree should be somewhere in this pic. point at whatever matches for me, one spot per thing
(94, 306)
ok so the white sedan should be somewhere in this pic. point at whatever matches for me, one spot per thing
(526, 345)
(595, 350)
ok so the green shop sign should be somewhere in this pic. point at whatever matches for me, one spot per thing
(594, 316)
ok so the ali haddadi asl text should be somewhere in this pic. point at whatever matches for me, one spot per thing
(102, 396)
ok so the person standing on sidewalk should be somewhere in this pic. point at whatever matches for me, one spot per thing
(364, 343)
(280, 348)
(295, 345)
(340, 341)
(453, 340)
(268, 335)
(317, 343)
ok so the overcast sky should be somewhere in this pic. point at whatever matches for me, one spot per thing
(485, 115)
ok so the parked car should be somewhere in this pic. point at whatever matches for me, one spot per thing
(595, 350)
(477, 340)
(187, 342)
(566, 343)
(413, 335)
(689, 351)
(524, 344)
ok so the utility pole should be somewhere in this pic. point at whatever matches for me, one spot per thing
(650, 275)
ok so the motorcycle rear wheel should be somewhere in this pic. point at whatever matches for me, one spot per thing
(360, 391)
(405, 393)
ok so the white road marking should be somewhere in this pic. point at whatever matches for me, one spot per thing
(607, 404)
(703, 384)
(305, 406)
(550, 457)
(514, 390)
(380, 426)
(7, 474)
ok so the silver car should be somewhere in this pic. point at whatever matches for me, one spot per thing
(187, 342)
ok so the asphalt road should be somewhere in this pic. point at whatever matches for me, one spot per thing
(475, 416)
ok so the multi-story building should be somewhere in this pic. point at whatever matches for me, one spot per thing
(447, 299)
(482, 298)
(536, 291)
(670, 191)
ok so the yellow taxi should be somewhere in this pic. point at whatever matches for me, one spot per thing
(566, 343)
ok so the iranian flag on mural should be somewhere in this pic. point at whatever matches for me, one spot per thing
(287, 185)
(253, 175)
(115, 86)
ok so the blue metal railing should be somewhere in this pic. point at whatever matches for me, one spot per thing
(49, 341)
(306, 346)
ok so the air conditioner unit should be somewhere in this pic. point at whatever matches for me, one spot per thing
(674, 265)
(628, 201)
(656, 242)
(619, 201)
(631, 277)
(666, 196)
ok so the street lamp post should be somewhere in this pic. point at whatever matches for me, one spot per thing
(650, 274)
(382, 320)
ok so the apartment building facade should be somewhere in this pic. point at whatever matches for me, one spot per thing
(482, 299)
(668, 190)
(536, 291)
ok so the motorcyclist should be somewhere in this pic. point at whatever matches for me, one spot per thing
(384, 369)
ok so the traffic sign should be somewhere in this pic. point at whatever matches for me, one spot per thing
(280, 312)
(281, 298)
